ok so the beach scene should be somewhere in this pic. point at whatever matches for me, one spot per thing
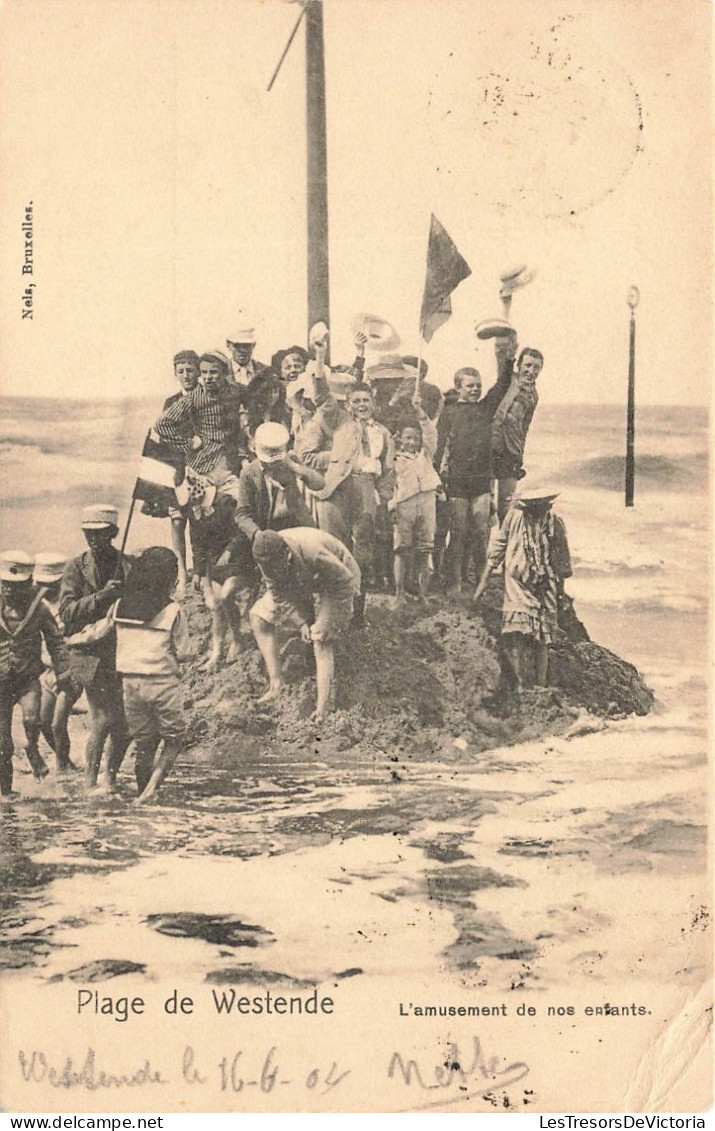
(448, 863)
(443, 846)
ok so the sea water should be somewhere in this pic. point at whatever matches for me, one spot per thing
(640, 574)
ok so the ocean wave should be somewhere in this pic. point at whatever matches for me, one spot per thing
(602, 594)
(618, 568)
(652, 472)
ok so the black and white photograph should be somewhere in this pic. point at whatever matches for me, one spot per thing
(355, 362)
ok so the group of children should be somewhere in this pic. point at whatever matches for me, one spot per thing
(290, 476)
(126, 662)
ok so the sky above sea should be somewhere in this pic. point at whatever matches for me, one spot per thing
(168, 186)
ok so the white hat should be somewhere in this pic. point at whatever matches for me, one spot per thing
(341, 382)
(271, 442)
(536, 494)
(381, 335)
(48, 568)
(246, 336)
(512, 273)
(16, 565)
(494, 328)
(98, 516)
(390, 366)
(516, 278)
(318, 333)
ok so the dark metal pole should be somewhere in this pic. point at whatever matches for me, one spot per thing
(318, 278)
(633, 297)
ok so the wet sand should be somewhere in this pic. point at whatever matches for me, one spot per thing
(565, 870)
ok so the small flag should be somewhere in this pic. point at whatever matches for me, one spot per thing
(445, 270)
(160, 470)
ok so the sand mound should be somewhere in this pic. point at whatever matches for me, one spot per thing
(415, 684)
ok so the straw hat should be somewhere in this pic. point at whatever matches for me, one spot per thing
(381, 334)
(341, 382)
(49, 568)
(538, 494)
(98, 516)
(245, 336)
(516, 278)
(16, 565)
(494, 328)
(391, 367)
(318, 333)
(271, 442)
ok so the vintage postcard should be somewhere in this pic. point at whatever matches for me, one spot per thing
(354, 569)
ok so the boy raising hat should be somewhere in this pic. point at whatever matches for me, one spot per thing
(25, 621)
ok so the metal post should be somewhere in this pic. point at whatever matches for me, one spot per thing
(318, 279)
(633, 297)
(118, 571)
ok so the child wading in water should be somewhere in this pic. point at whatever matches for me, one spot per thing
(152, 638)
(25, 621)
(414, 503)
(532, 546)
(57, 702)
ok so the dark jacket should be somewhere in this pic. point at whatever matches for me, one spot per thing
(464, 443)
(254, 503)
(21, 644)
(84, 600)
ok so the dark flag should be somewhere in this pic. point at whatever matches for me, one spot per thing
(445, 270)
(161, 469)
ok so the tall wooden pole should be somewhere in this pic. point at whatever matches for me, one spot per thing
(318, 277)
(633, 297)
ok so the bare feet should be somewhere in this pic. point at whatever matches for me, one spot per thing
(67, 767)
(399, 603)
(212, 662)
(145, 798)
(273, 693)
(104, 788)
(234, 651)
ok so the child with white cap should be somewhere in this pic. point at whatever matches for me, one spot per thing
(91, 583)
(25, 621)
(269, 498)
(57, 702)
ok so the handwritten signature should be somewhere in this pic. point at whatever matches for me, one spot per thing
(472, 1075)
(233, 1073)
(456, 1076)
(37, 1069)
